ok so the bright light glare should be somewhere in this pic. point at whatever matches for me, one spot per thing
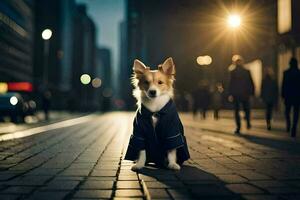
(85, 79)
(46, 34)
(13, 100)
(204, 60)
(234, 21)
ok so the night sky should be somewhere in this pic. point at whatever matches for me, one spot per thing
(107, 15)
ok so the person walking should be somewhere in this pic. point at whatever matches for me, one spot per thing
(269, 93)
(217, 99)
(46, 103)
(290, 92)
(201, 99)
(241, 87)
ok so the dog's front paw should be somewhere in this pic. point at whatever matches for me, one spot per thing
(136, 167)
(174, 166)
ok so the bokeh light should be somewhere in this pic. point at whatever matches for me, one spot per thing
(85, 79)
(13, 100)
(3, 87)
(96, 82)
(46, 34)
(204, 60)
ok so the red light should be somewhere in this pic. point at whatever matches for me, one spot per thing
(20, 86)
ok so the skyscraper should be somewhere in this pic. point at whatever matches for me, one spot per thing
(16, 40)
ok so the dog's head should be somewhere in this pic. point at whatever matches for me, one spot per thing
(154, 83)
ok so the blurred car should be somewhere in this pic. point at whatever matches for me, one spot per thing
(15, 106)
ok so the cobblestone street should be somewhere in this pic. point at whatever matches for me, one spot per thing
(84, 161)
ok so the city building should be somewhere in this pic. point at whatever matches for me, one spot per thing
(54, 57)
(103, 58)
(125, 70)
(16, 40)
(84, 61)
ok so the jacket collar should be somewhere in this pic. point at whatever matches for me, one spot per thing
(164, 110)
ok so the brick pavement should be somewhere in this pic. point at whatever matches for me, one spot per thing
(84, 161)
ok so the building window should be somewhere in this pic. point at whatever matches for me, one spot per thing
(284, 16)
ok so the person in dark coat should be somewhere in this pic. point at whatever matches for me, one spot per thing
(290, 92)
(46, 103)
(241, 87)
(201, 99)
(168, 134)
(217, 99)
(269, 93)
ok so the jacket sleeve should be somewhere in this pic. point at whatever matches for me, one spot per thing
(137, 139)
(136, 142)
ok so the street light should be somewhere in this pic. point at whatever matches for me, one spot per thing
(204, 60)
(85, 79)
(46, 35)
(234, 20)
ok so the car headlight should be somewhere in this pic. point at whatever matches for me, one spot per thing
(13, 100)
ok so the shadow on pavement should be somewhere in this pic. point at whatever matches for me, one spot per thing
(188, 183)
(292, 146)
(286, 145)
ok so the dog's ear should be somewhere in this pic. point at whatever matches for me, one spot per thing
(168, 67)
(139, 67)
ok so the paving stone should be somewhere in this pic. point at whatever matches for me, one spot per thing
(129, 193)
(128, 185)
(244, 189)
(209, 191)
(8, 197)
(61, 185)
(75, 172)
(179, 193)
(232, 178)
(90, 184)
(17, 190)
(283, 190)
(158, 193)
(57, 195)
(165, 184)
(269, 183)
(260, 197)
(251, 175)
(104, 173)
(92, 194)
(128, 178)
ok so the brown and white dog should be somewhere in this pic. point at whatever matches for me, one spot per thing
(154, 89)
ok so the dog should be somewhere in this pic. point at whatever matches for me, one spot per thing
(157, 130)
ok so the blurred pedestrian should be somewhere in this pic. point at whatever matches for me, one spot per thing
(241, 87)
(269, 93)
(201, 99)
(291, 95)
(46, 103)
(217, 99)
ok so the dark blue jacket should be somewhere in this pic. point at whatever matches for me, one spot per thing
(168, 134)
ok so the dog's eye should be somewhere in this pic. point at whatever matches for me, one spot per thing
(146, 82)
(160, 82)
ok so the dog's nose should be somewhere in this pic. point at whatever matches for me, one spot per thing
(152, 92)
